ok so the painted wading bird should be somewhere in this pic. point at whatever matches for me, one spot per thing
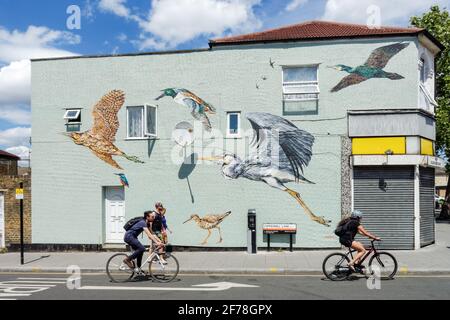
(209, 222)
(123, 179)
(372, 68)
(280, 151)
(100, 138)
(199, 108)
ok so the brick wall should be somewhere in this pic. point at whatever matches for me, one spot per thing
(8, 185)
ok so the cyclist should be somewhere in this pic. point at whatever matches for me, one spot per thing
(131, 238)
(352, 227)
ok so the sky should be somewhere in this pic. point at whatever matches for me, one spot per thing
(50, 28)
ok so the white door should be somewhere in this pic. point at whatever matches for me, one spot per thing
(2, 220)
(114, 214)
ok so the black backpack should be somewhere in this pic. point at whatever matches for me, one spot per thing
(132, 222)
(341, 229)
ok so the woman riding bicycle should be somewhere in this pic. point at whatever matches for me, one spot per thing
(352, 226)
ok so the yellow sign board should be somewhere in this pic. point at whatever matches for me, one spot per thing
(19, 194)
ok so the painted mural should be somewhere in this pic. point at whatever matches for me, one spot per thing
(199, 108)
(123, 179)
(372, 68)
(101, 137)
(208, 223)
(279, 154)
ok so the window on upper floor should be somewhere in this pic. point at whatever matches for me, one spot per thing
(233, 124)
(300, 90)
(73, 120)
(142, 122)
(426, 94)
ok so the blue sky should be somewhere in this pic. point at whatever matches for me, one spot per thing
(33, 29)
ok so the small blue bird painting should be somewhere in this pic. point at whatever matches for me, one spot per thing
(372, 68)
(199, 108)
(123, 179)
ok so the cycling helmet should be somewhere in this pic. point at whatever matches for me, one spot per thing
(357, 214)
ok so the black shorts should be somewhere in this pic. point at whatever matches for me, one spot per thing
(346, 241)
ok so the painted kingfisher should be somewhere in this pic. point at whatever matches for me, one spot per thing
(123, 179)
(199, 108)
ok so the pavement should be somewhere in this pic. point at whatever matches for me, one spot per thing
(433, 259)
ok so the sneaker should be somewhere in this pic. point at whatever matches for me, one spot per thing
(129, 263)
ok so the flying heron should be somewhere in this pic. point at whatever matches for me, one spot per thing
(282, 150)
(209, 222)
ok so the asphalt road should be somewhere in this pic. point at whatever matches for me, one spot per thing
(26, 286)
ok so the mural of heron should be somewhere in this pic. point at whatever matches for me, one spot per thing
(372, 68)
(280, 152)
(101, 137)
(209, 222)
(199, 108)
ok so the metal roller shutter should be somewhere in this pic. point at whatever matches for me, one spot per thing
(386, 197)
(426, 206)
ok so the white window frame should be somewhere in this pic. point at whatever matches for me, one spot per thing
(66, 116)
(298, 87)
(239, 129)
(144, 133)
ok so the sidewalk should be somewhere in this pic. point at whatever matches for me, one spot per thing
(434, 259)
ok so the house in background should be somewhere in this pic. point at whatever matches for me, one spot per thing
(10, 180)
(365, 95)
(441, 182)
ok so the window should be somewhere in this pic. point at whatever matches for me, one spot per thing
(73, 120)
(300, 90)
(141, 122)
(233, 124)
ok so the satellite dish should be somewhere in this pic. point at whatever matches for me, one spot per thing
(183, 134)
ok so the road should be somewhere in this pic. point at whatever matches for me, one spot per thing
(41, 286)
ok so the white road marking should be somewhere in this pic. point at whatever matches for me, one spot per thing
(218, 286)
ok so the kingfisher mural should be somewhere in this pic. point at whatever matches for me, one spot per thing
(208, 223)
(101, 137)
(199, 108)
(279, 154)
(123, 179)
(372, 68)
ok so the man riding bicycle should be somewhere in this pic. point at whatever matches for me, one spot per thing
(131, 238)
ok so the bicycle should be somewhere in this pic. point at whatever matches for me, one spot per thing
(335, 266)
(159, 270)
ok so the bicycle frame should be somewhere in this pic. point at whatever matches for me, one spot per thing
(150, 258)
(371, 249)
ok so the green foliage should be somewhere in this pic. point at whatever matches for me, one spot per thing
(437, 22)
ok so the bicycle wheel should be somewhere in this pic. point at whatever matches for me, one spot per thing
(335, 267)
(386, 263)
(117, 270)
(164, 272)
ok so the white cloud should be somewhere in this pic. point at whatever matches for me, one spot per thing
(35, 42)
(122, 37)
(21, 151)
(15, 115)
(15, 136)
(116, 7)
(392, 12)
(294, 4)
(15, 83)
(172, 22)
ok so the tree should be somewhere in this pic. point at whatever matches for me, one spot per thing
(437, 22)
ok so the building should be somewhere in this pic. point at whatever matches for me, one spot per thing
(441, 182)
(10, 180)
(368, 132)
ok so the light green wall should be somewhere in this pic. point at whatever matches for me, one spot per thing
(68, 179)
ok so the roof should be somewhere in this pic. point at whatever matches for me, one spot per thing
(320, 30)
(4, 154)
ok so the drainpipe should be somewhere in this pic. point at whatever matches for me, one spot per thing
(416, 207)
